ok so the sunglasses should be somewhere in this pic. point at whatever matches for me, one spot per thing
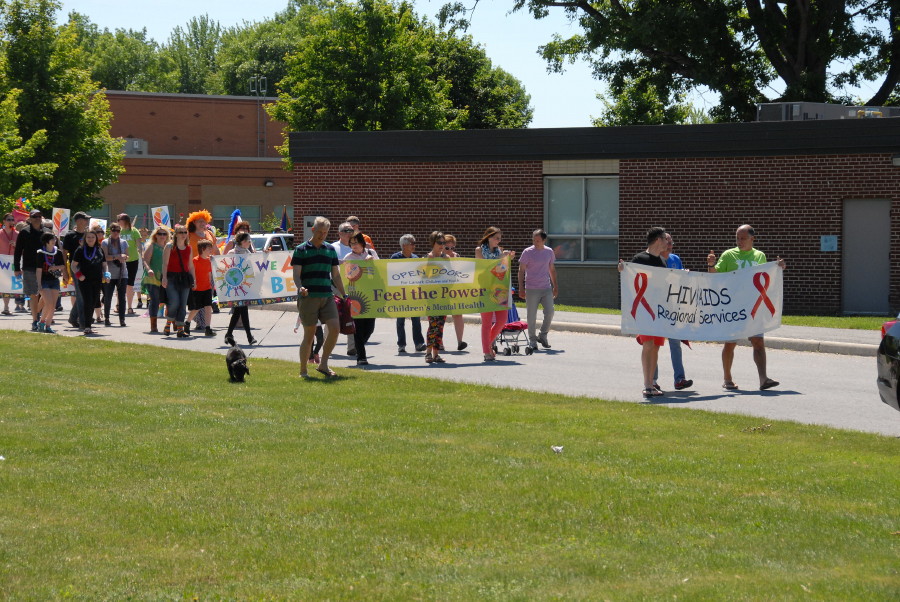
(449, 248)
(166, 234)
(115, 229)
(346, 230)
(9, 219)
(440, 242)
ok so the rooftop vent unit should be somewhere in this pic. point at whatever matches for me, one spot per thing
(805, 111)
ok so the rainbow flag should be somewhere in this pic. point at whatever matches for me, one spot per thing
(22, 209)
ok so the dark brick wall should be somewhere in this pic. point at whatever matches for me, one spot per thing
(393, 199)
(791, 201)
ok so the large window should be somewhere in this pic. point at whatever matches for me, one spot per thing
(222, 215)
(582, 217)
(140, 216)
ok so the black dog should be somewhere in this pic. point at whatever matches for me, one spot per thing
(236, 361)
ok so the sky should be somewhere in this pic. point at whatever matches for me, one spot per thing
(510, 40)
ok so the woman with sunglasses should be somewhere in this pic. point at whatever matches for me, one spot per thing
(492, 322)
(89, 267)
(458, 324)
(153, 263)
(178, 280)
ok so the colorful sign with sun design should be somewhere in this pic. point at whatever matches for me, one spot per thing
(395, 288)
(254, 279)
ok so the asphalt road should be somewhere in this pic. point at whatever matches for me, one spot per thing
(816, 388)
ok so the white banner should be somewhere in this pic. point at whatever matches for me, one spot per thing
(11, 285)
(254, 279)
(699, 306)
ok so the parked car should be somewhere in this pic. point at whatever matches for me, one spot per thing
(272, 242)
(889, 363)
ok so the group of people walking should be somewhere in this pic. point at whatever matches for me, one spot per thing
(316, 274)
(101, 265)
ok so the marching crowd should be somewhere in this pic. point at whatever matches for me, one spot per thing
(177, 276)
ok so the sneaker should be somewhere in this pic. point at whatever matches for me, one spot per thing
(187, 328)
(461, 345)
(229, 340)
(49, 330)
(489, 357)
(401, 349)
(209, 332)
(421, 347)
(34, 326)
(20, 309)
(140, 304)
(542, 339)
(362, 363)
(181, 334)
(252, 341)
(107, 323)
(351, 352)
(41, 327)
(683, 384)
(168, 329)
(6, 312)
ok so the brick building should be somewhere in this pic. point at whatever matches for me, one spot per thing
(824, 195)
(193, 152)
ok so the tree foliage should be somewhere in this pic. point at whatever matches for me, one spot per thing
(57, 97)
(364, 66)
(746, 51)
(18, 173)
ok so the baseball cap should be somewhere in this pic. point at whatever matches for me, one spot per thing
(35, 213)
(81, 215)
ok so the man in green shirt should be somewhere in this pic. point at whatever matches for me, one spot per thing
(743, 256)
(315, 265)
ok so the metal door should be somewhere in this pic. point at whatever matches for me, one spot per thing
(866, 256)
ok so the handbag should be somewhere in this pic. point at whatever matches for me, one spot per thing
(183, 278)
(345, 318)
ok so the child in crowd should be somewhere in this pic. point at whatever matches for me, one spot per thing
(201, 296)
(51, 265)
(242, 246)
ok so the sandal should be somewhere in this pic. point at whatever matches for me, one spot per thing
(429, 359)
(439, 360)
(729, 386)
(769, 384)
(650, 392)
(328, 372)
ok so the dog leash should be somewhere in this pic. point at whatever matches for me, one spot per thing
(263, 337)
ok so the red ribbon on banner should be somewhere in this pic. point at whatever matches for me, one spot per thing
(761, 282)
(640, 287)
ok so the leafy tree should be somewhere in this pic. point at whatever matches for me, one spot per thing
(365, 66)
(193, 51)
(18, 174)
(492, 97)
(124, 59)
(812, 50)
(260, 49)
(57, 96)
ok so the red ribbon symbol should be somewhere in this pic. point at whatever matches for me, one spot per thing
(761, 282)
(640, 287)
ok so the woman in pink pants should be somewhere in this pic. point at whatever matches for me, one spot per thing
(492, 322)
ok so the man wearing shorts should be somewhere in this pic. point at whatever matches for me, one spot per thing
(744, 255)
(656, 245)
(27, 245)
(315, 270)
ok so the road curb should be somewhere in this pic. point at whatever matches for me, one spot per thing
(808, 345)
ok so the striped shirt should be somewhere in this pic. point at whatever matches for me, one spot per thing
(316, 264)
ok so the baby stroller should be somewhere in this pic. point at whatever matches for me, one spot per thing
(514, 336)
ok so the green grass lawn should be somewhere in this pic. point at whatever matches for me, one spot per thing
(140, 472)
(852, 322)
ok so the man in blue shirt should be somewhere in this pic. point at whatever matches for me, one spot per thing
(674, 261)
